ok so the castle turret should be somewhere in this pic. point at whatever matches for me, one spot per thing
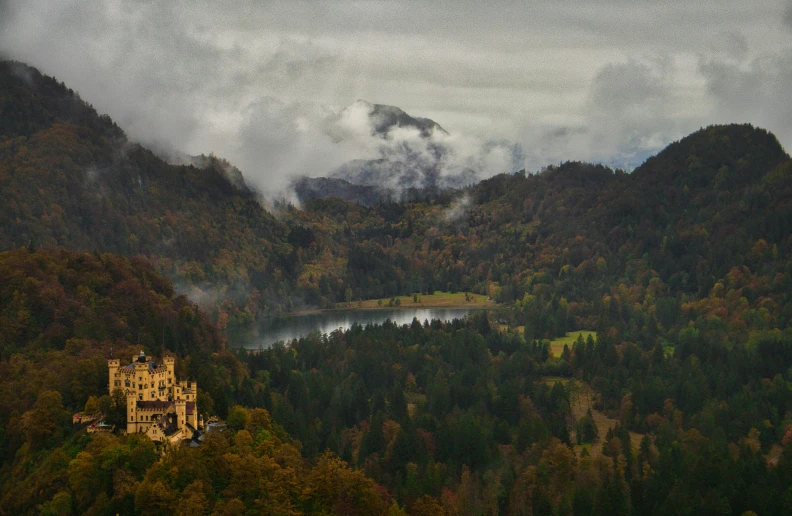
(181, 413)
(170, 364)
(112, 366)
(132, 422)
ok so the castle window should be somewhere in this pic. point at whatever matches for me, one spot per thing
(152, 394)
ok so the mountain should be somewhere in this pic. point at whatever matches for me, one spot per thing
(414, 156)
(690, 215)
(385, 118)
(323, 187)
(677, 398)
(70, 177)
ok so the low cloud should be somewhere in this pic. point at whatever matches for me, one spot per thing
(278, 142)
(266, 84)
(633, 109)
(458, 210)
(755, 91)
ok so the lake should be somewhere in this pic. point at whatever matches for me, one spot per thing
(295, 326)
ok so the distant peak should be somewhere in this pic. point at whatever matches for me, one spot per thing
(385, 117)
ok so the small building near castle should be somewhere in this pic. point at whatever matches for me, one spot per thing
(157, 405)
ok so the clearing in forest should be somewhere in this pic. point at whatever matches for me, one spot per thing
(557, 345)
(581, 399)
(437, 300)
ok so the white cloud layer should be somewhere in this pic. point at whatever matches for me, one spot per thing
(264, 84)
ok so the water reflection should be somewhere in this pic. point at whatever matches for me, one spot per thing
(293, 327)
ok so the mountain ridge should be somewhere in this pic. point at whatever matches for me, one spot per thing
(70, 178)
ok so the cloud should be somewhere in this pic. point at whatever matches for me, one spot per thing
(631, 107)
(730, 44)
(756, 91)
(788, 15)
(263, 83)
(458, 210)
(277, 142)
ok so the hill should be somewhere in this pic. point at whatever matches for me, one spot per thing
(63, 314)
(69, 177)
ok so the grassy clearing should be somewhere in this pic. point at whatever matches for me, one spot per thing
(580, 399)
(437, 300)
(557, 345)
(503, 328)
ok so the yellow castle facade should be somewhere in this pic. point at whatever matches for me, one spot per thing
(157, 405)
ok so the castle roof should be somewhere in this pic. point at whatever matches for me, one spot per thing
(162, 405)
(153, 404)
(151, 365)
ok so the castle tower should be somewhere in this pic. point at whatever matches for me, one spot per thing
(132, 422)
(112, 367)
(169, 362)
(181, 413)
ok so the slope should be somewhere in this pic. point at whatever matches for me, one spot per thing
(69, 177)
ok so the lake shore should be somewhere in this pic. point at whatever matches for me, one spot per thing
(436, 300)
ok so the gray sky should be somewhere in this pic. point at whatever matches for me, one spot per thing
(263, 83)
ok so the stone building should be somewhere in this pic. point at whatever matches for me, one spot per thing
(157, 405)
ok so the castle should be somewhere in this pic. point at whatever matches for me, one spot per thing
(157, 405)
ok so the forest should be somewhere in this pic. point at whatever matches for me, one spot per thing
(679, 401)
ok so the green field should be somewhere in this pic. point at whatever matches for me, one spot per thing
(557, 345)
(437, 300)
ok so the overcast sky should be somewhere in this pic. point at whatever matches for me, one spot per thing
(256, 82)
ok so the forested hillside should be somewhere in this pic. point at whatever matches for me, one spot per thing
(679, 402)
(718, 199)
(456, 418)
(69, 177)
